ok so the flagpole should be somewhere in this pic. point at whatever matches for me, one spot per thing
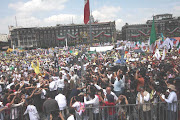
(87, 18)
(90, 28)
(66, 42)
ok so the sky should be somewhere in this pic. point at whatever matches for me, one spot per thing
(42, 13)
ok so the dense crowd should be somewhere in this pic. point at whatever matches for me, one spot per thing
(58, 84)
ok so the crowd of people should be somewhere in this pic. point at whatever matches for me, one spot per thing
(58, 85)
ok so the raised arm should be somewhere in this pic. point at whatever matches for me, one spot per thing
(81, 88)
(31, 94)
(29, 87)
(38, 92)
(71, 101)
(13, 100)
(21, 86)
(136, 75)
(101, 99)
(3, 109)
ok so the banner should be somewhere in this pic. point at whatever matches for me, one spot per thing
(101, 49)
(60, 38)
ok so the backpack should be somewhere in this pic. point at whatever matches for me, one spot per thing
(82, 108)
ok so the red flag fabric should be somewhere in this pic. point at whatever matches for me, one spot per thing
(86, 11)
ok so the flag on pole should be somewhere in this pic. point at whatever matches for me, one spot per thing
(112, 39)
(178, 47)
(177, 43)
(162, 36)
(164, 54)
(153, 37)
(86, 11)
(157, 54)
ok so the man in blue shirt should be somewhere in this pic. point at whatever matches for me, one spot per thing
(118, 85)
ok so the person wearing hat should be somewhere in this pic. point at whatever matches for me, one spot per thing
(172, 107)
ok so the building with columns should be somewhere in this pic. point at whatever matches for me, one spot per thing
(57, 35)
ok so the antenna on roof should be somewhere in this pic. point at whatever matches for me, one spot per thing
(16, 21)
(72, 19)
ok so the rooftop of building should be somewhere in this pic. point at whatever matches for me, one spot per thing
(158, 15)
(135, 25)
(59, 25)
(162, 17)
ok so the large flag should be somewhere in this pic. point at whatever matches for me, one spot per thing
(153, 37)
(167, 44)
(36, 67)
(162, 37)
(86, 11)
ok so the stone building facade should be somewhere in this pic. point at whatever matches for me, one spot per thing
(166, 24)
(4, 42)
(57, 35)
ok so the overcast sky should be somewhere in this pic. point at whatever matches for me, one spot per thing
(31, 13)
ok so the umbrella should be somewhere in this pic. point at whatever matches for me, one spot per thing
(121, 61)
(136, 48)
(118, 61)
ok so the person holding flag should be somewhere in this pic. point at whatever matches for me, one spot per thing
(35, 66)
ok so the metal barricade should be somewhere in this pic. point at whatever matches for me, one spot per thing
(12, 113)
(147, 111)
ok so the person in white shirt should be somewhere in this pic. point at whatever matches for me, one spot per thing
(53, 87)
(60, 83)
(75, 78)
(107, 91)
(109, 75)
(143, 97)
(78, 105)
(61, 100)
(172, 107)
(71, 112)
(18, 76)
(32, 111)
(94, 100)
(71, 115)
(25, 74)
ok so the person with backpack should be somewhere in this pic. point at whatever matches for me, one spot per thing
(78, 104)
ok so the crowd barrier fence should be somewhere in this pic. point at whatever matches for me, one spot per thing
(147, 111)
